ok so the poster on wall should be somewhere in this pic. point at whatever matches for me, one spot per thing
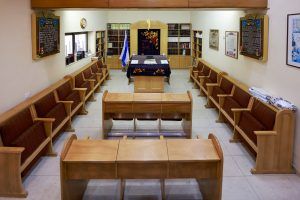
(45, 34)
(231, 44)
(214, 39)
(293, 40)
(254, 36)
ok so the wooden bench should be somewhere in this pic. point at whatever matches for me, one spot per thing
(223, 87)
(214, 77)
(270, 133)
(27, 132)
(87, 80)
(66, 92)
(201, 159)
(147, 106)
(46, 104)
(195, 69)
(103, 68)
(239, 98)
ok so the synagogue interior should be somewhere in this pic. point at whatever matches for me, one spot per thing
(150, 100)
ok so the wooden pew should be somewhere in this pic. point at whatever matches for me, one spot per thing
(146, 106)
(269, 131)
(201, 159)
(20, 159)
(223, 87)
(79, 81)
(239, 98)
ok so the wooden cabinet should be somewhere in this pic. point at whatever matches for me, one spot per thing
(69, 4)
(228, 3)
(179, 45)
(100, 44)
(36, 4)
(196, 44)
(115, 41)
(148, 4)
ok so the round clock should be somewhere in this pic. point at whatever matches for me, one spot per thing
(83, 23)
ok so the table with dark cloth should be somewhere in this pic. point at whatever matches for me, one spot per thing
(142, 69)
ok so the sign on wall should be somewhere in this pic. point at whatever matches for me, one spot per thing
(254, 36)
(293, 40)
(231, 44)
(45, 35)
(214, 39)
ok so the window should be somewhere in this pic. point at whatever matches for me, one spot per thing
(76, 46)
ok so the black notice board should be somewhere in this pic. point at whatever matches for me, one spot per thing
(47, 36)
(252, 30)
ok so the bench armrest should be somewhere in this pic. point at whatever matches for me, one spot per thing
(212, 84)
(235, 110)
(11, 150)
(43, 119)
(265, 133)
(65, 102)
(224, 95)
(80, 89)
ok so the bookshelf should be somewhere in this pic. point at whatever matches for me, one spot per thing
(100, 44)
(179, 45)
(196, 44)
(115, 40)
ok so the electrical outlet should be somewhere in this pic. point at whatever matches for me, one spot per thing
(27, 95)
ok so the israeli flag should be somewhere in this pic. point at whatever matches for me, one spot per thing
(125, 52)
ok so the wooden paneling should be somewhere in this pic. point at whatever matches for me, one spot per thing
(148, 4)
(228, 4)
(69, 4)
(153, 25)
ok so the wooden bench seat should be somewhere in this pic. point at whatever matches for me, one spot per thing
(205, 79)
(104, 69)
(148, 106)
(99, 72)
(223, 87)
(66, 92)
(24, 139)
(239, 98)
(50, 107)
(89, 75)
(269, 132)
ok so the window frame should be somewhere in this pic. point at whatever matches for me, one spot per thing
(73, 34)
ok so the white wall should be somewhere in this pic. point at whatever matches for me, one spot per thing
(131, 16)
(274, 76)
(19, 74)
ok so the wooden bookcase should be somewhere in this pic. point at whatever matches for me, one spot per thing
(100, 44)
(196, 44)
(179, 45)
(115, 40)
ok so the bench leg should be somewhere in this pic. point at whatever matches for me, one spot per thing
(162, 188)
(221, 117)
(235, 137)
(208, 103)
(122, 189)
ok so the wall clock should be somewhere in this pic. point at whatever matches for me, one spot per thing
(83, 23)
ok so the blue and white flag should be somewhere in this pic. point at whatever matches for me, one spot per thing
(125, 52)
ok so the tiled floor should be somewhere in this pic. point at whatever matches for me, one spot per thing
(238, 182)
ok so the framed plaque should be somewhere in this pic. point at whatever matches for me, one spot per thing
(45, 35)
(214, 39)
(254, 36)
(231, 44)
(293, 40)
